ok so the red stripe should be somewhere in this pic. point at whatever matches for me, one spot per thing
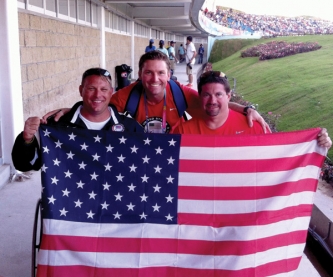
(249, 166)
(247, 219)
(279, 138)
(246, 193)
(85, 271)
(179, 246)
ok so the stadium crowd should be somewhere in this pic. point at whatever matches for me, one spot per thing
(269, 25)
(279, 49)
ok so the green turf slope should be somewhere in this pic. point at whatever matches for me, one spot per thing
(298, 87)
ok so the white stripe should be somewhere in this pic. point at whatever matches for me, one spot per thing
(244, 206)
(186, 232)
(142, 260)
(250, 152)
(247, 179)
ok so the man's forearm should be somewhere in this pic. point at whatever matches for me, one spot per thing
(236, 107)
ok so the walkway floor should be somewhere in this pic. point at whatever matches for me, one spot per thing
(17, 206)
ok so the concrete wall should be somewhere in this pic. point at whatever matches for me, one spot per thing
(54, 54)
(117, 51)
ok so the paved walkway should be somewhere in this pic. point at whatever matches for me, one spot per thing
(17, 207)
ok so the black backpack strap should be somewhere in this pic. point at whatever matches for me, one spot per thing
(133, 100)
(178, 98)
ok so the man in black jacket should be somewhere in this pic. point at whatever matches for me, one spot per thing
(94, 112)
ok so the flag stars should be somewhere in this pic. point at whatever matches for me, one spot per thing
(130, 206)
(147, 141)
(72, 136)
(106, 186)
(97, 139)
(158, 150)
(92, 195)
(121, 158)
(157, 169)
(80, 184)
(131, 187)
(146, 160)
(143, 216)
(117, 215)
(58, 144)
(65, 192)
(90, 215)
(134, 149)
(156, 188)
(51, 199)
(104, 205)
(118, 196)
(63, 212)
(122, 140)
(78, 203)
(143, 198)
(170, 179)
(70, 155)
(96, 157)
(169, 198)
(109, 148)
(94, 176)
(145, 179)
(170, 160)
(82, 165)
(120, 177)
(56, 162)
(46, 133)
(108, 167)
(68, 174)
(43, 168)
(132, 168)
(54, 180)
(45, 149)
(84, 146)
(156, 208)
(172, 142)
(169, 217)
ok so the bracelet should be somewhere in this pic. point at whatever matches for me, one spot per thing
(31, 141)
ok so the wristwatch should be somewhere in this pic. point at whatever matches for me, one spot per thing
(248, 107)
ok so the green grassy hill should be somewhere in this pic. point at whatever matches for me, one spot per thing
(298, 87)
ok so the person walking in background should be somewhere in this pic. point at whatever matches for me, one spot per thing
(201, 53)
(181, 53)
(172, 56)
(150, 47)
(190, 59)
(162, 49)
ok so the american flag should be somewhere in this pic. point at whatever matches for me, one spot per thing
(126, 204)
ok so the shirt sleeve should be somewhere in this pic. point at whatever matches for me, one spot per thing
(193, 102)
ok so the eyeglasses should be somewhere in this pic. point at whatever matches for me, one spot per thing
(213, 73)
(96, 71)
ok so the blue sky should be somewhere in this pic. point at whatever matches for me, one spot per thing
(317, 8)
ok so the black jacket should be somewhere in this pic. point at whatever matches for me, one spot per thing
(27, 156)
